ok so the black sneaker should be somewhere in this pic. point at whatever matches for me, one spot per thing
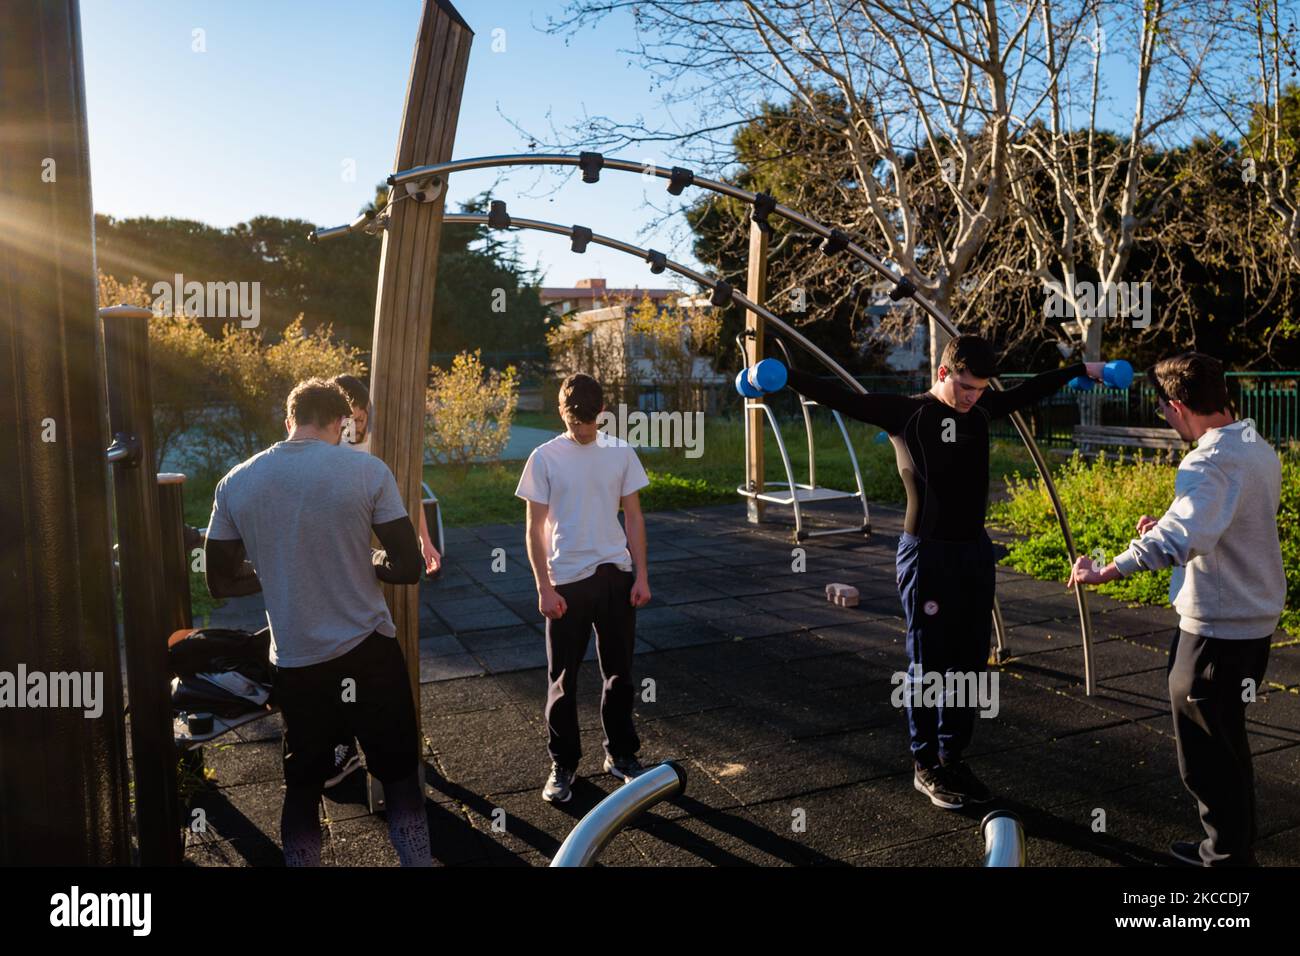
(559, 785)
(962, 778)
(934, 783)
(624, 768)
(346, 759)
(1187, 852)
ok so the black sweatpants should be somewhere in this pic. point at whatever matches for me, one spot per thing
(1206, 678)
(381, 714)
(604, 600)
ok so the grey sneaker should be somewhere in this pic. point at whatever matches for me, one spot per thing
(624, 768)
(934, 783)
(559, 785)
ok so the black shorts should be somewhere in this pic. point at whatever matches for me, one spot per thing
(378, 711)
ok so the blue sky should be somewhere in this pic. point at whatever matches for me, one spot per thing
(287, 91)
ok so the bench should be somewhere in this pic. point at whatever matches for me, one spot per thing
(1087, 438)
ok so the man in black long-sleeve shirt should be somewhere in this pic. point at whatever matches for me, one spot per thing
(945, 564)
(303, 510)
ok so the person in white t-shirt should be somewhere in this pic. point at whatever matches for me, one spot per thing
(589, 572)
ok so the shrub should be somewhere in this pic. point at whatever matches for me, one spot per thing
(226, 395)
(1103, 500)
(469, 409)
(256, 379)
(669, 343)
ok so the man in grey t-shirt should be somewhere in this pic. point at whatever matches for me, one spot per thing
(1220, 537)
(303, 511)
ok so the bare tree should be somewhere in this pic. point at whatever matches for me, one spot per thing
(1104, 190)
(972, 144)
(922, 100)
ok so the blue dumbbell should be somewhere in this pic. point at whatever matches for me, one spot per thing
(1116, 373)
(768, 375)
(743, 386)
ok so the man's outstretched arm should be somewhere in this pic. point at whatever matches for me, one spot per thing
(1034, 390)
(890, 412)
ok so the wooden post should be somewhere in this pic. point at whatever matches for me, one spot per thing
(407, 276)
(145, 622)
(756, 290)
(63, 777)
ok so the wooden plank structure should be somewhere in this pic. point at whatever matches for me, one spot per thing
(1090, 437)
(63, 775)
(407, 277)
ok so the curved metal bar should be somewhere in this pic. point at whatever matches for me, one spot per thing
(857, 251)
(685, 271)
(1004, 839)
(603, 822)
(440, 169)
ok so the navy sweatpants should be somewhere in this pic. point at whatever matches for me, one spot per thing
(947, 592)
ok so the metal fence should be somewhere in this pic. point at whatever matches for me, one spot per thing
(1270, 399)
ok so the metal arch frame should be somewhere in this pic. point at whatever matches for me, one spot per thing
(679, 178)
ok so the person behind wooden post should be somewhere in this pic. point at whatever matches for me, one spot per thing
(304, 511)
(356, 436)
(589, 571)
(1220, 537)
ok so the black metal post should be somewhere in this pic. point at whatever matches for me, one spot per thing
(144, 621)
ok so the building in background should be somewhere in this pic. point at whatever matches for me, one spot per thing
(589, 294)
(662, 369)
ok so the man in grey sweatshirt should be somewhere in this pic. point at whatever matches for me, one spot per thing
(1220, 536)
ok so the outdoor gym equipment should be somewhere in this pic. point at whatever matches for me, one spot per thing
(790, 492)
(1004, 839)
(835, 241)
(604, 821)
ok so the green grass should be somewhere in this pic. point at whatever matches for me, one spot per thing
(547, 420)
(197, 509)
